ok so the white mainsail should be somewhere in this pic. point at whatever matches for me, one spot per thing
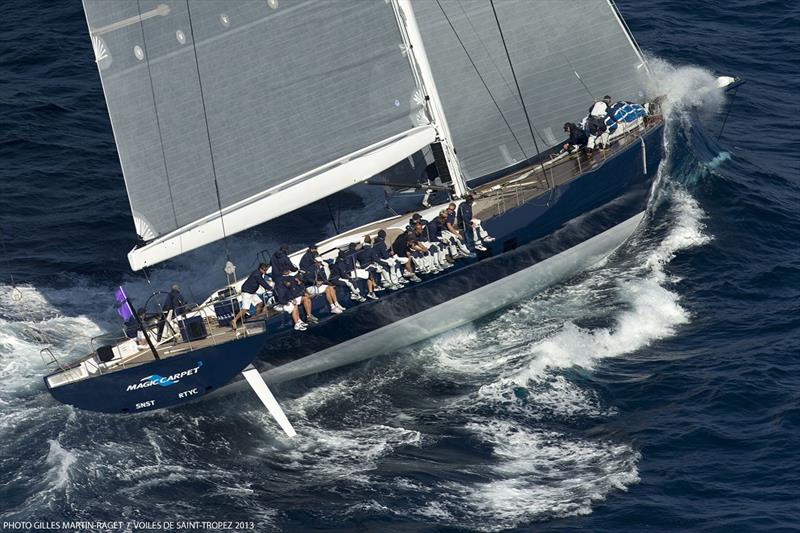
(227, 114)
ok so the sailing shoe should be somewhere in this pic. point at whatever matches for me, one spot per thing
(312, 319)
(489, 239)
(480, 247)
(402, 281)
(335, 310)
(416, 279)
(300, 325)
(372, 296)
(340, 306)
(357, 297)
(379, 289)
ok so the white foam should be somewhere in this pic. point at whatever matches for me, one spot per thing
(538, 474)
(343, 452)
(684, 87)
(59, 460)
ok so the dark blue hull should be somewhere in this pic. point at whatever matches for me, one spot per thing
(578, 212)
(158, 384)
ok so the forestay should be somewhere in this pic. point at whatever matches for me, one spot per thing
(249, 109)
(549, 42)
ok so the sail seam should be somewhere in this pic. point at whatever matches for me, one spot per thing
(483, 81)
(208, 131)
(524, 107)
(155, 108)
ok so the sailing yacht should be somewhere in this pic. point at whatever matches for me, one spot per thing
(227, 114)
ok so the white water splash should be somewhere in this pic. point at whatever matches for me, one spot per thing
(538, 474)
(684, 87)
(59, 460)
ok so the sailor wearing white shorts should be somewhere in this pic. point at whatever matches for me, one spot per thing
(289, 306)
(316, 280)
(250, 297)
(288, 303)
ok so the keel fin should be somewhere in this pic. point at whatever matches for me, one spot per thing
(258, 385)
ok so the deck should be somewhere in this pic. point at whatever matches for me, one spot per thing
(492, 199)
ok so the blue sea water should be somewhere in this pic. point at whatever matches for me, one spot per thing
(657, 391)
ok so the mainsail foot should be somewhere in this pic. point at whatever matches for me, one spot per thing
(256, 382)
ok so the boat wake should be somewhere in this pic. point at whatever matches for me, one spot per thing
(488, 427)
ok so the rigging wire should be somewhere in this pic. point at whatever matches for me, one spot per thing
(583, 84)
(494, 63)
(155, 108)
(524, 107)
(330, 213)
(485, 85)
(208, 132)
(725, 120)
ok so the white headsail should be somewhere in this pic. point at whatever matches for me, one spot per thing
(550, 43)
(227, 114)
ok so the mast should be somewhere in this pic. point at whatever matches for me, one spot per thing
(413, 40)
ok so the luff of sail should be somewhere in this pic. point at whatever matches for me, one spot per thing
(551, 43)
(227, 114)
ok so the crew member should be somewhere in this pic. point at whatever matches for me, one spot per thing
(287, 302)
(317, 283)
(433, 255)
(452, 229)
(369, 260)
(402, 248)
(433, 231)
(132, 329)
(596, 125)
(299, 295)
(340, 276)
(474, 233)
(577, 138)
(280, 261)
(250, 298)
(174, 302)
(307, 261)
(391, 262)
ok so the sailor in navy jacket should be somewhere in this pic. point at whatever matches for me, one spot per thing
(307, 261)
(250, 298)
(281, 263)
(288, 303)
(340, 276)
(391, 263)
(317, 283)
(474, 234)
